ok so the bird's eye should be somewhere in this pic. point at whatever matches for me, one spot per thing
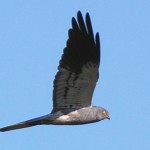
(104, 112)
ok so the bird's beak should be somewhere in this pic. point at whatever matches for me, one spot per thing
(107, 116)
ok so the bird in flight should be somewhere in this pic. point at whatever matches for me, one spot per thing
(75, 81)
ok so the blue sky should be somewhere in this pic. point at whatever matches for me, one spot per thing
(33, 34)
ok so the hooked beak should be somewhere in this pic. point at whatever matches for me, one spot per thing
(107, 116)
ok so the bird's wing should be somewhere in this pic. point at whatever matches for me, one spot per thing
(78, 68)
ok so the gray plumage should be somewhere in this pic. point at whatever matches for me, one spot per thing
(75, 81)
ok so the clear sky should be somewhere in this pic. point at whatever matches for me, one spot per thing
(33, 34)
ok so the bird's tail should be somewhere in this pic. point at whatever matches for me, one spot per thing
(28, 123)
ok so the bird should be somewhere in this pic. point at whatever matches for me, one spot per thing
(75, 81)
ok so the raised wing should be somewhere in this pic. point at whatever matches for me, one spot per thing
(78, 68)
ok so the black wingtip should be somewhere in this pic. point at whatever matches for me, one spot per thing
(75, 24)
(97, 37)
(87, 15)
(82, 45)
(79, 13)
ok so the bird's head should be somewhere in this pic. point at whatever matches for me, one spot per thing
(102, 114)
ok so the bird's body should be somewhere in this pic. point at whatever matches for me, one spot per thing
(75, 117)
(75, 81)
(80, 116)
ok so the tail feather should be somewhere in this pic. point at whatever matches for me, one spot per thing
(25, 124)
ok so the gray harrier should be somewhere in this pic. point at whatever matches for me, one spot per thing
(75, 81)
